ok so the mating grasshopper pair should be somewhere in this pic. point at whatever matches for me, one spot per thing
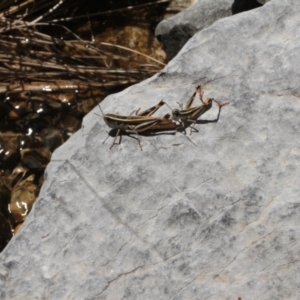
(141, 122)
(144, 121)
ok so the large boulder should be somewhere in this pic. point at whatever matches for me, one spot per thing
(177, 30)
(210, 215)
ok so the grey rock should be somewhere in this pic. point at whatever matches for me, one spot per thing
(214, 219)
(263, 1)
(176, 31)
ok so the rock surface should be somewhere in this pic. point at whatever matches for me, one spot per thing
(176, 31)
(214, 215)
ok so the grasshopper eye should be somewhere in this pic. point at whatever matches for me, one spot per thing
(175, 114)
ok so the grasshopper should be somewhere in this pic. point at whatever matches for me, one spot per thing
(191, 114)
(139, 123)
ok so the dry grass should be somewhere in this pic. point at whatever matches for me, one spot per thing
(39, 45)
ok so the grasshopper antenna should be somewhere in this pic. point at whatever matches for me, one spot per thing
(219, 103)
(100, 110)
(168, 105)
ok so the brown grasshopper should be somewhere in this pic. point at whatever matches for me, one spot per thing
(191, 114)
(139, 123)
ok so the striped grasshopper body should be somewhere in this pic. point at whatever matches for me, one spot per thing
(191, 114)
(139, 123)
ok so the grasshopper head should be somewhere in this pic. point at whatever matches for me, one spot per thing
(208, 101)
(176, 114)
